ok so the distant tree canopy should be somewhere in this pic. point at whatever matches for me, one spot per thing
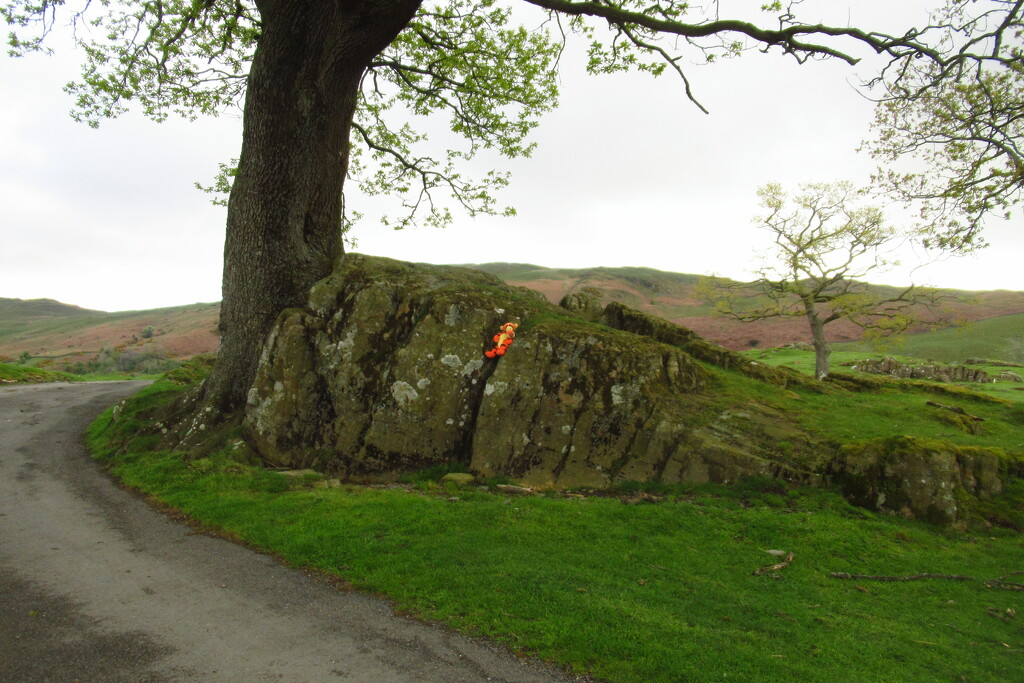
(330, 88)
(959, 121)
(826, 240)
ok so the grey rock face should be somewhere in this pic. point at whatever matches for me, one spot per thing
(383, 371)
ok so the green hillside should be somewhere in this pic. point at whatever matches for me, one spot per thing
(17, 310)
(23, 320)
(649, 279)
(672, 296)
(18, 315)
(48, 334)
(998, 338)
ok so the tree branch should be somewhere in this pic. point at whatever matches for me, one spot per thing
(786, 37)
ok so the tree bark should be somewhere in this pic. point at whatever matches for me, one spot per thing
(822, 351)
(284, 212)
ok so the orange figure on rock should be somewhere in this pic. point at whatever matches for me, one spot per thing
(503, 340)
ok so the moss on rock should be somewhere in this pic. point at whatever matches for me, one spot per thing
(918, 478)
(383, 372)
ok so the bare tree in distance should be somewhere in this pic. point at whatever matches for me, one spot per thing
(825, 241)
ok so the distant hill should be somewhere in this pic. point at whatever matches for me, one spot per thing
(1000, 338)
(671, 296)
(64, 335)
(61, 335)
(20, 311)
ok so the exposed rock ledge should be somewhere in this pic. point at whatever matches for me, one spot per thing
(933, 372)
(383, 372)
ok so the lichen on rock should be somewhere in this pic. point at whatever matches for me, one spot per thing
(383, 372)
(915, 477)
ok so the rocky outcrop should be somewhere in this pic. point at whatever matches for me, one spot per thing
(586, 303)
(622, 317)
(992, 363)
(383, 371)
(918, 478)
(932, 372)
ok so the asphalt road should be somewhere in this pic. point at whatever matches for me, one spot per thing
(97, 586)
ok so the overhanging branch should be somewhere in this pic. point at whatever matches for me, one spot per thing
(789, 38)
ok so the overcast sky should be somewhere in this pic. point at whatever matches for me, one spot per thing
(627, 173)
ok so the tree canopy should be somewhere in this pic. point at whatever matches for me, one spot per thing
(959, 121)
(475, 61)
(826, 240)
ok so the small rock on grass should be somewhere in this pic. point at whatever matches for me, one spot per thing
(459, 478)
(299, 473)
(509, 488)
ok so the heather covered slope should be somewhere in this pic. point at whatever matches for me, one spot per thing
(66, 334)
(59, 335)
(671, 296)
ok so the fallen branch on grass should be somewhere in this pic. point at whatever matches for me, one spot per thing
(913, 577)
(516, 490)
(956, 409)
(1006, 585)
(774, 567)
(991, 583)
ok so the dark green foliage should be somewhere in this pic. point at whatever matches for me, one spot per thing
(193, 371)
(1005, 510)
(144, 360)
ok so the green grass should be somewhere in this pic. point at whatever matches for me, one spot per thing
(900, 407)
(846, 417)
(999, 338)
(17, 374)
(647, 592)
(22, 374)
(893, 407)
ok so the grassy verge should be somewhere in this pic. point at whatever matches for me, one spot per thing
(22, 374)
(625, 592)
(17, 374)
(117, 376)
(889, 406)
(997, 337)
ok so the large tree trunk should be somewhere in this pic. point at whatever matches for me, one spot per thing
(822, 350)
(284, 213)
